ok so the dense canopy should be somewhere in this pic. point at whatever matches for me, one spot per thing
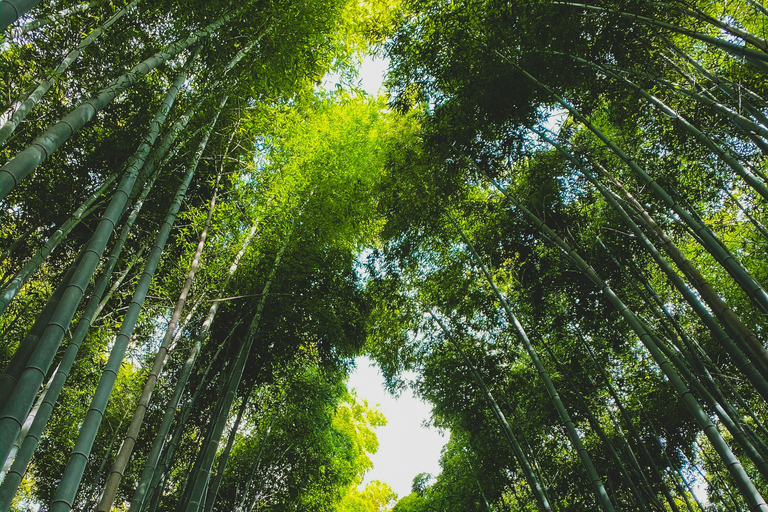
(551, 225)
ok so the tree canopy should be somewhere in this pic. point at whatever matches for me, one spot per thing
(552, 227)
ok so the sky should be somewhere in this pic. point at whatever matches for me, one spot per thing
(372, 73)
(406, 448)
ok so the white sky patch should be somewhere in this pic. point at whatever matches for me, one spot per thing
(406, 448)
(372, 72)
(371, 76)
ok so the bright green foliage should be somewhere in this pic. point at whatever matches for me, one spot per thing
(376, 496)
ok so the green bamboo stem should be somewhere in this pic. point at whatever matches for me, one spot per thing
(737, 352)
(254, 466)
(724, 85)
(747, 487)
(11, 10)
(595, 424)
(154, 470)
(195, 500)
(685, 489)
(126, 449)
(755, 57)
(749, 37)
(573, 435)
(15, 32)
(27, 160)
(15, 475)
(12, 288)
(750, 344)
(7, 129)
(758, 7)
(144, 486)
(722, 408)
(6, 465)
(213, 489)
(729, 159)
(747, 283)
(13, 371)
(737, 119)
(103, 463)
(632, 430)
(691, 352)
(20, 401)
(533, 482)
(72, 475)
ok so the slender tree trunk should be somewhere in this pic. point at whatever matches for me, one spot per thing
(748, 340)
(213, 488)
(103, 464)
(26, 161)
(116, 285)
(747, 283)
(698, 14)
(755, 57)
(29, 445)
(277, 461)
(12, 288)
(11, 10)
(148, 474)
(690, 354)
(745, 98)
(597, 427)
(34, 98)
(16, 32)
(94, 306)
(741, 121)
(72, 475)
(633, 432)
(702, 285)
(597, 483)
(6, 465)
(126, 449)
(200, 479)
(249, 481)
(533, 482)
(20, 401)
(753, 497)
(28, 345)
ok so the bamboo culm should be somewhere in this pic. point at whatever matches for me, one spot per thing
(213, 489)
(20, 401)
(16, 32)
(632, 430)
(72, 475)
(626, 477)
(751, 495)
(597, 484)
(144, 485)
(27, 160)
(747, 283)
(255, 465)
(124, 453)
(13, 287)
(11, 10)
(13, 371)
(7, 129)
(195, 500)
(737, 352)
(533, 482)
(94, 306)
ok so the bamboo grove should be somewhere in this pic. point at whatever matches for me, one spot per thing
(552, 226)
